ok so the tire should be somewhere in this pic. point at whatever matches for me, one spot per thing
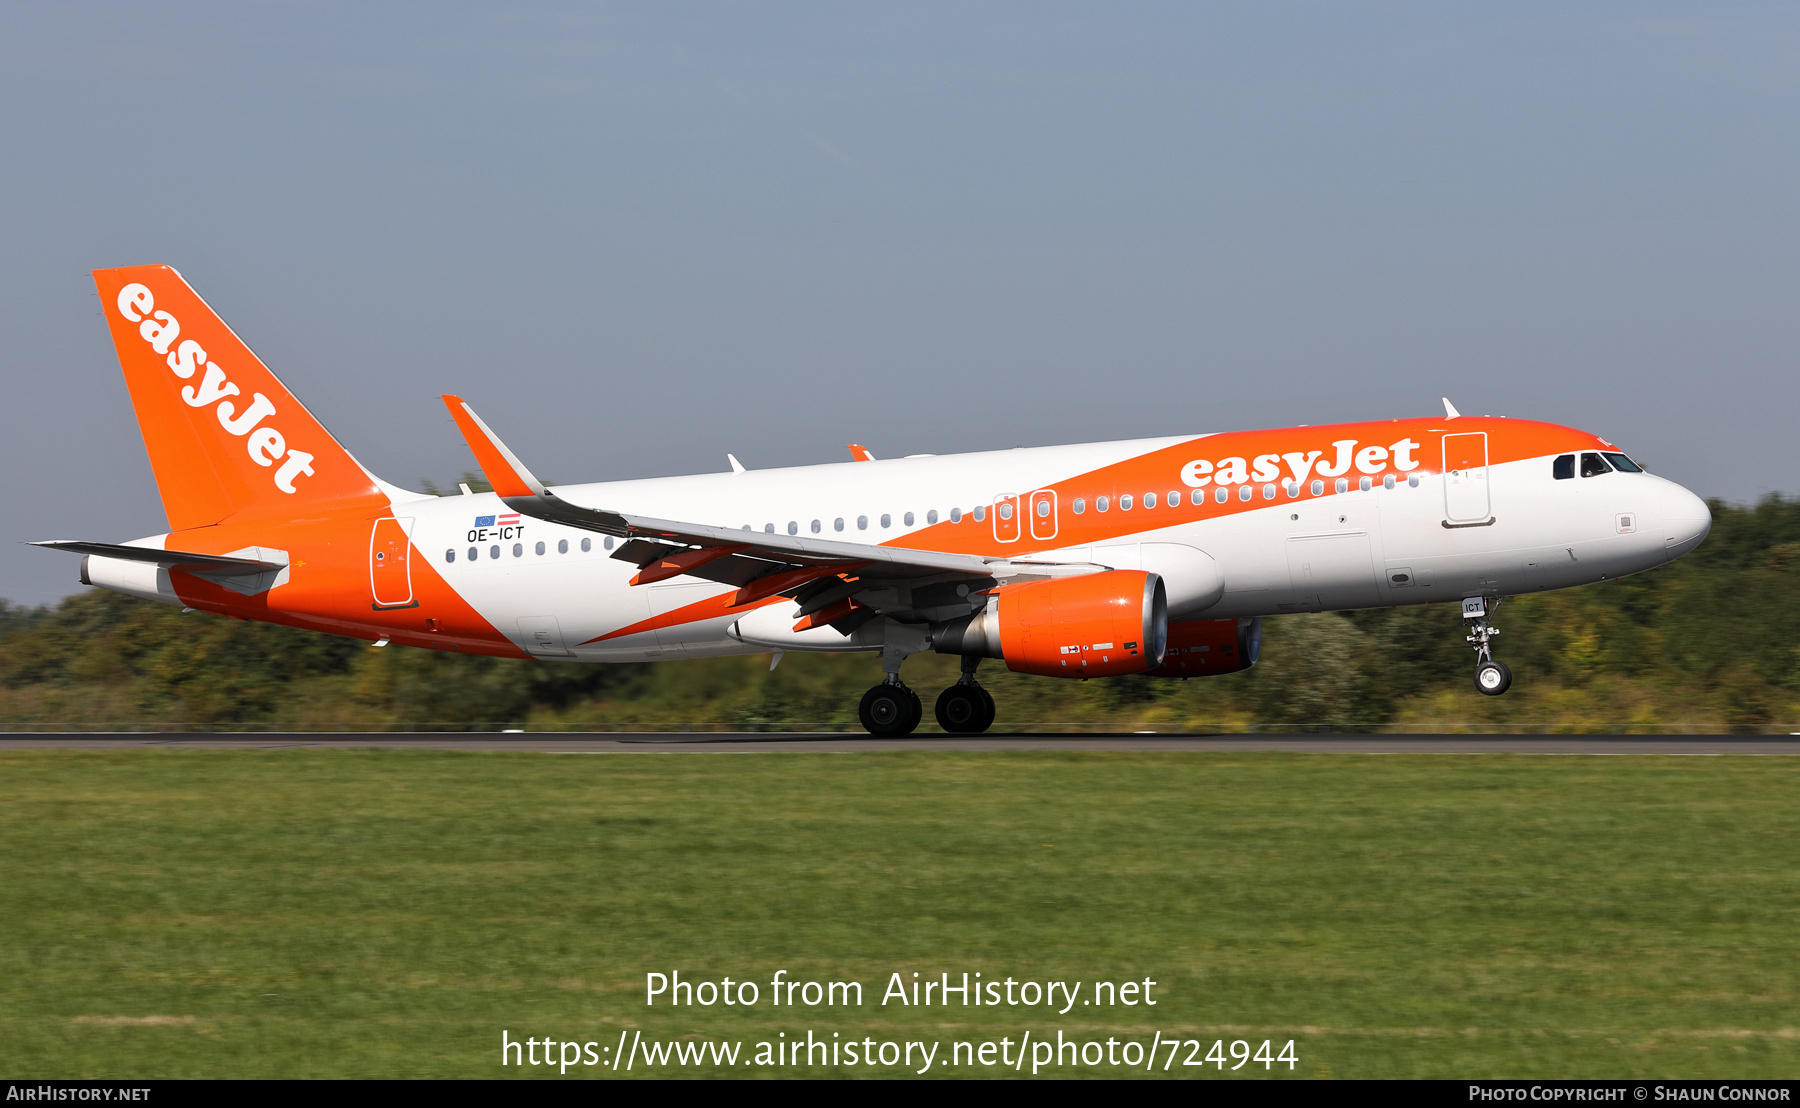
(964, 710)
(1492, 678)
(890, 710)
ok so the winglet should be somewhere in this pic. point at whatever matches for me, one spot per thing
(860, 452)
(1450, 411)
(501, 466)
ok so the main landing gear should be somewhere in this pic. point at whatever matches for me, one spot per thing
(890, 709)
(1491, 678)
(966, 708)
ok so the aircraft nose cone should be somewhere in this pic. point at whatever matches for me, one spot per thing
(1686, 520)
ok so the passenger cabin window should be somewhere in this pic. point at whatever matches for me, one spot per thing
(1564, 469)
(956, 515)
(1149, 500)
(587, 545)
(540, 548)
(837, 524)
(1101, 503)
(1125, 503)
(562, 546)
(886, 521)
(1593, 465)
(449, 555)
(1079, 505)
(907, 519)
(862, 523)
(931, 516)
(817, 526)
(1623, 464)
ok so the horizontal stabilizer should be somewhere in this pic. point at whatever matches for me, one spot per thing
(215, 565)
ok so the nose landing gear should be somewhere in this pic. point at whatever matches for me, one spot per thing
(1491, 678)
(965, 708)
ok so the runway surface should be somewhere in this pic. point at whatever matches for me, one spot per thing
(840, 743)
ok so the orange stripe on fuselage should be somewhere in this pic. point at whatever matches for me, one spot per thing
(1160, 472)
(328, 586)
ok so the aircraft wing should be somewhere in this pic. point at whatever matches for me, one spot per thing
(760, 563)
(214, 565)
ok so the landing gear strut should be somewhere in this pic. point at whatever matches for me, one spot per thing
(965, 708)
(1491, 678)
(890, 709)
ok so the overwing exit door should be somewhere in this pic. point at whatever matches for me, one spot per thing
(1041, 509)
(1466, 478)
(1006, 518)
(390, 571)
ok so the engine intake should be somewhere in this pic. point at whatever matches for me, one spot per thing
(1094, 625)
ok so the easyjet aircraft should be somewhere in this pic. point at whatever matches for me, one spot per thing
(1151, 556)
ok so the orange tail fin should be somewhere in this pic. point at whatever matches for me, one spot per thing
(225, 436)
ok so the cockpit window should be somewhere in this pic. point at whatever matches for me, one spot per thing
(1593, 465)
(1623, 464)
(1565, 467)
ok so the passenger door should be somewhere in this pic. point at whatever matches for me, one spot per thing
(390, 571)
(1466, 478)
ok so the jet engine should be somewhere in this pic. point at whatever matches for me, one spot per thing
(1094, 625)
(1203, 647)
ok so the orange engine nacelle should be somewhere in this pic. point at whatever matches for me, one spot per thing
(1095, 625)
(1202, 647)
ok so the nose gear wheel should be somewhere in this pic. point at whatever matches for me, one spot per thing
(1491, 678)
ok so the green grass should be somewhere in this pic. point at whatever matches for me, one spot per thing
(339, 913)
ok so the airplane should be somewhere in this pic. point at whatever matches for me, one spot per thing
(1157, 557)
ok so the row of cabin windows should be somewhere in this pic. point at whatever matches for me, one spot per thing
(518, 549)
(1079, 505)
(862, 522)
(1593, 464)
(1222, 494)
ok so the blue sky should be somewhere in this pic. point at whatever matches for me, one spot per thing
(639, 236)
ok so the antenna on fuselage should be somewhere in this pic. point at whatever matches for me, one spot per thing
(736, 466)
(1450, 411)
